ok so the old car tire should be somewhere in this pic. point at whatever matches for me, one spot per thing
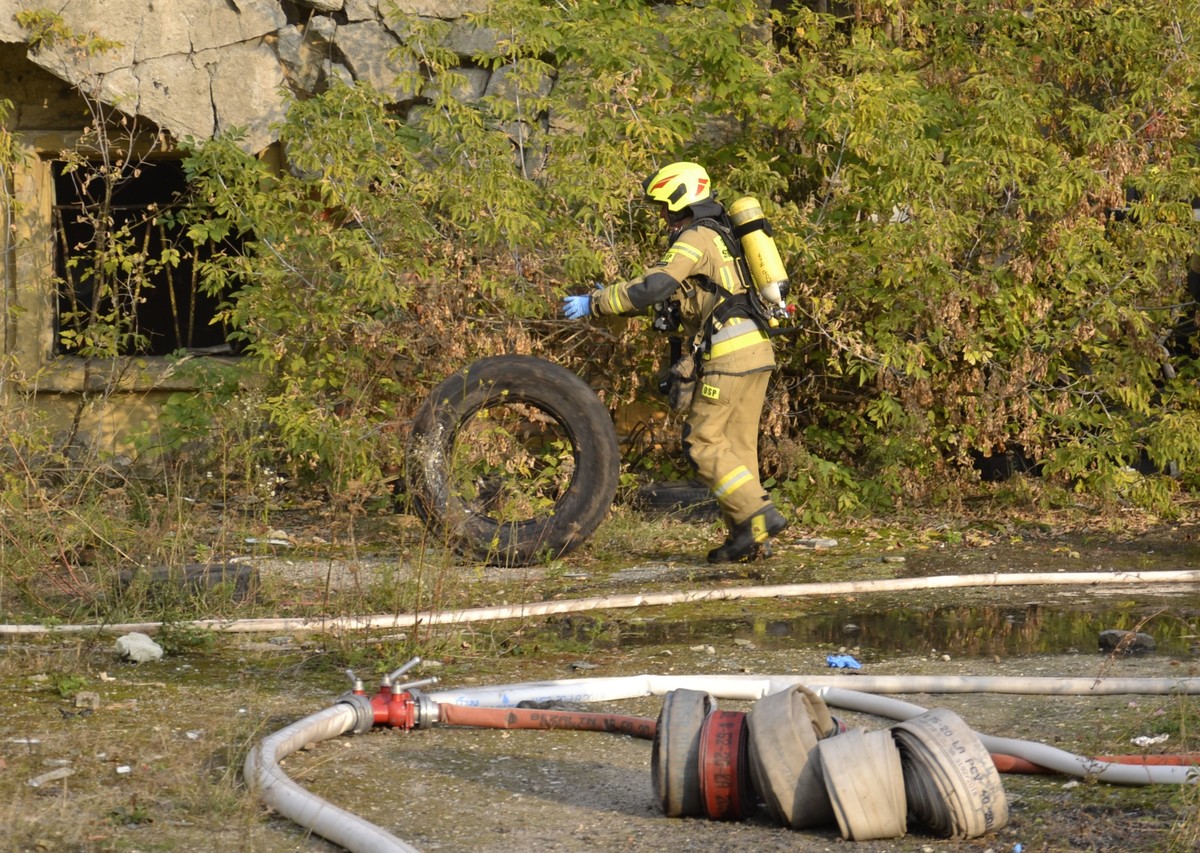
(689, 500)
(556, 393)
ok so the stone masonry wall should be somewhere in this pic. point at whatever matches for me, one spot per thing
(197, 68)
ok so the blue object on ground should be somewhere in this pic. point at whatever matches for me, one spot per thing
(842, 662)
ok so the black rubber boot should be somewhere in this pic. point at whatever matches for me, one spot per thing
(744, 540)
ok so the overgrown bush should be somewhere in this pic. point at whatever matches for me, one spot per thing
(985, 208)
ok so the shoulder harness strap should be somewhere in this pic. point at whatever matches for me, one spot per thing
(732, 304)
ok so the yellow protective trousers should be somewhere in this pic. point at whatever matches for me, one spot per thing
(720, 436)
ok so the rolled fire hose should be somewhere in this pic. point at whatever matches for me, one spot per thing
(785, 727)
(359, 836)
(675, 756)
(865, 782)
(725, 786)
(1036, 753)
(950, 781)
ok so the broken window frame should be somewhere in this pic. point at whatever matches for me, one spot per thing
(154, 306)
(31, 311)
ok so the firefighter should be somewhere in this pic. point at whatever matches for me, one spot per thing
(699, 291)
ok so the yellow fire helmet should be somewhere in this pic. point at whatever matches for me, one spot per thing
(678, 186)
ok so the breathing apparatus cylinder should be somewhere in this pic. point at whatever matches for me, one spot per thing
(751, 228)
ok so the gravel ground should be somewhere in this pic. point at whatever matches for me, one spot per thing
(492, 790)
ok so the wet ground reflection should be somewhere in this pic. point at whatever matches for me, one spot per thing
(962, 630)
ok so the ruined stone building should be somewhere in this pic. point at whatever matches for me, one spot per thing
(172, 70)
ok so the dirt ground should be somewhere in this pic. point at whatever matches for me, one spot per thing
(155, 764)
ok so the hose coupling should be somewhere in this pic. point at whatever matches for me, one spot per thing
(426, 714)
(364, 711)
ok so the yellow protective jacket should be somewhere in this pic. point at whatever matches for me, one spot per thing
(697, 260)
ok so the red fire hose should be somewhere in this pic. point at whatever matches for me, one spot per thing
(533, 718)
(1012, 764)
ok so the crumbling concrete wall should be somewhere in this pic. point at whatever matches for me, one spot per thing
(192, 69)
(197, 68)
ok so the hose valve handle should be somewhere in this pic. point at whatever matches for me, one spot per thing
(390, 678)
(404, 688)
(355, 681)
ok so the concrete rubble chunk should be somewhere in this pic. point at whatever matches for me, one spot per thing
(88, 700)
(138, 648)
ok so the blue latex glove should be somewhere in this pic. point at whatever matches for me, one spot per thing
(842, 662)
(577, 307)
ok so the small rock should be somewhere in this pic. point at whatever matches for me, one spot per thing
(895, 558)
(138, 648)
(87, 699)
(1126, 642)
(816, 543)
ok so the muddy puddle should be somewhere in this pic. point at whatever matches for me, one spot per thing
(875, 630)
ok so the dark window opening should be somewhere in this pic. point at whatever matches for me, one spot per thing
(127, 273)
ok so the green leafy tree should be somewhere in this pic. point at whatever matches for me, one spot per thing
(985, 207)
